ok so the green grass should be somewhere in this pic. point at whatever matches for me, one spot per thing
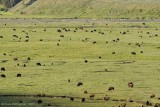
(68, 63)
(116, 9)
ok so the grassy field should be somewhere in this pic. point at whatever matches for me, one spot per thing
(62, 57)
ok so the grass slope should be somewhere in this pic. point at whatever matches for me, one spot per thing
(92, 8)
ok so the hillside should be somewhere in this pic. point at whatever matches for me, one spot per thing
(9, 3)
(136, 9)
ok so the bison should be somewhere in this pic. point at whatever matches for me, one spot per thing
(130, 84)
(110, 88)
(3, 69)
(39, 64)
(3, 76)
(39, 101)
(71, 99)
(83, 100)
(152, 96)
(79, 84)
(91, 96)
(85, 92)
(19, 75)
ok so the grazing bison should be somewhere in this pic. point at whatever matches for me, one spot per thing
(62, 36)
(91, 96)
(157, 105)
(110, 88)
(71, 99)
(24, 65)
(86, 61)
(133, 53)
(124, 33)
(1, 36)
(28, 58)
(130, 100)
(79, 84)
(39, 101)
(15, 36)
(15, 59)
(94, 42)
(27, 36)
(69, 80)
(39, 64)
(3, 69)
(113, 52)
(85, 92)
(152, 96)
(58, 30)
(48, 104)
(130, 84)
(83, 100)
(148, 103)
(20, 101)
(19, 75)
(3, 76)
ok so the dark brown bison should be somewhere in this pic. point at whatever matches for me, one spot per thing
(39, 64)
(58, 30)
(157, 105)
(39, 101)
(94, 42)
(71, 99)
(28, 58)
(83, 100)
(148, 103)
(3, 69)
(3, 76)
(79, 84)
(85, 92)
(110, 88)
(130, 84)
(91, 96)
(86, 61)
(69, 80)
(19, 75)
(153, 96)
(133, 53)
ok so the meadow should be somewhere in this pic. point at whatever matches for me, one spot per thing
(53, 55)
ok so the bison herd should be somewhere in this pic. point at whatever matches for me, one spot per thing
(90, 96)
